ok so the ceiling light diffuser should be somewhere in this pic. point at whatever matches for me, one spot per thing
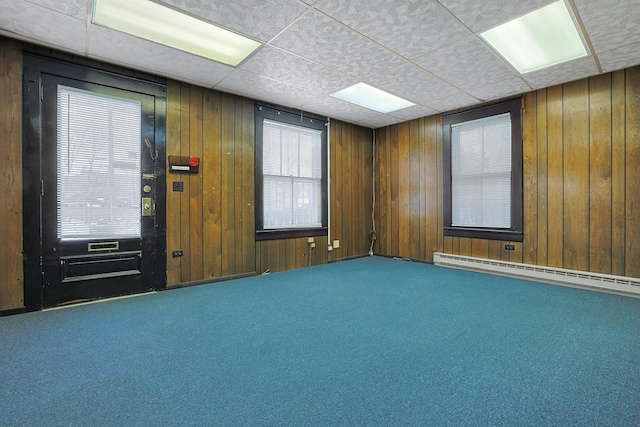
(374, 99)
(155, 22)
(544, 37)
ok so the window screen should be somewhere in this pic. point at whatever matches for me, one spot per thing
(292, 176)
(98, 165)
(481, 173)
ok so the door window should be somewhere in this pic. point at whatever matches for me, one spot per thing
(98, 159)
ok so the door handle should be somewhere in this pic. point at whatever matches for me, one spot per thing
(147, 206)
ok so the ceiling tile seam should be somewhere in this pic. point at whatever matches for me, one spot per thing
(151, 71)
(88, 26)
(401, 57)
(52, 9)
(361, 35)
(37, 42)
(437, 77)
(499, 56)
(583, 30)
(308, 60)
(305, 88)
(286, 27)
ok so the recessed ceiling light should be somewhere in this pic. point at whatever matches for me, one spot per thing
(539, 39)
(155, 22)
(374, 99)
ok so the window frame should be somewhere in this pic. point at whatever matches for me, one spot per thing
(278, 114)
(514, 233)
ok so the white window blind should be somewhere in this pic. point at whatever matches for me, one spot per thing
(292, 176)
(481, 172)
(98, 165)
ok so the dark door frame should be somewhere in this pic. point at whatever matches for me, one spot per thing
(35, 66)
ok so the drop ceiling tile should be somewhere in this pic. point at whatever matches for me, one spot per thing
(562, 73)
(260, 19)
(42, 24)
(414, 112)
(344, 111)
(472, 66)
(482, 15)
(280, 65)
(610, 24)
(417, 85)
(623, 57)
(75, 8)
(410, 28)
(134, 52)
(321, 39)
(264, 89)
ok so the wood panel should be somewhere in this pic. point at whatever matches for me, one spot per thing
(632, 180)
(530, 178)
(618, 167)
(286, 254)
(11, 274)
(576, 174)
(600, 174)
(555, 177)
(543, 181)
(351, 149)
(409, 186)
(581, 181)
(212, 219)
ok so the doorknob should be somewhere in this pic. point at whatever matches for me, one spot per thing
(147, 206)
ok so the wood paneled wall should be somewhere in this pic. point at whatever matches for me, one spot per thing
(212, 221)
(350, 199)
(11, 274)
(581, 165)
(351, 189)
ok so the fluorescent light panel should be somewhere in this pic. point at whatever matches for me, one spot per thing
(544, 37)
(161, 24)
(374, 99)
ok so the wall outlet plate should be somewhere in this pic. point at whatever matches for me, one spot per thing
(177, 253)
(336, 244)
(510, 247)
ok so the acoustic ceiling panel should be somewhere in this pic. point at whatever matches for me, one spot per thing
(473, 67)
(321, 39)
(38, 23)
(562, 73)
(258, 19)
(413, 83)
(286, 67)
(410, 28)
(622, 57)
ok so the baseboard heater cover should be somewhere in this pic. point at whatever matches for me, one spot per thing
(560, 276)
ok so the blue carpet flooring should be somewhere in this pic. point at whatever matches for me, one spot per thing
(371, 341)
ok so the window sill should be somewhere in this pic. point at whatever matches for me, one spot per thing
(483, 233)
(290, 233)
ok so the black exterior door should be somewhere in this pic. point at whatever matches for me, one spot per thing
(98, 213)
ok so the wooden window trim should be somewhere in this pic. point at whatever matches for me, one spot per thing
(515, 232)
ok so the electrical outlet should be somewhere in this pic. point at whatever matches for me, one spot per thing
(313, 245)
(310, 240)
(336, 244)
(177, 253)
(509, 247)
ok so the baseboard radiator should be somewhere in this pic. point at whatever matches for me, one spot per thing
(578, 279)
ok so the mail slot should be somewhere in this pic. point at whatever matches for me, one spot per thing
(103, 246)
